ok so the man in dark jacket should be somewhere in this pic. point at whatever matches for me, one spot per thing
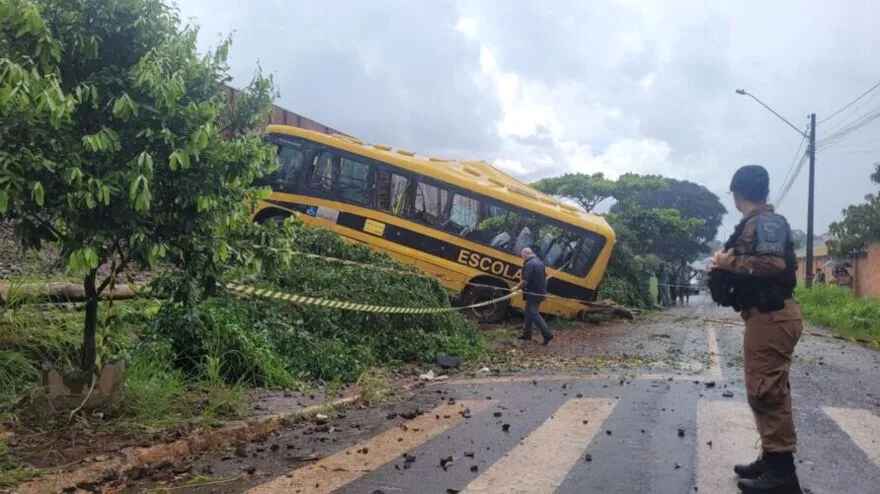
(761, 261)
(534, 284)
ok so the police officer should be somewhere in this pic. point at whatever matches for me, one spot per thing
(760, 260)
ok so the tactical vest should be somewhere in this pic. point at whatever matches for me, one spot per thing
(745, 292)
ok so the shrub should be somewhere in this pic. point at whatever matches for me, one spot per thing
(624, 281)
(271, 343)
(838, 309)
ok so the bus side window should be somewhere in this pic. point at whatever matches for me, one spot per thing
(354, 178)
(390, 192)
(321, 176)
(430, 205)
(291, 160)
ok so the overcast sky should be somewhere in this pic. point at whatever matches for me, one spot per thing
(543, 88)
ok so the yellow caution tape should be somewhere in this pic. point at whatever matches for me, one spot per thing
(347, 262)
(355, 306)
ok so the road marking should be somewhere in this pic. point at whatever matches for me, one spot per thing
(861, 426)
(540, 463)
(571, 378)
(730, 429)
(714, 354)
(346, 466)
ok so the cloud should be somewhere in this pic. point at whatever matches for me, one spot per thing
(544, 88)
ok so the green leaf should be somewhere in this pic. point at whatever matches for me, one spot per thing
(4, 200)
(73, 174)
(84, 259)
(37, 193)
(105, 194)
(174, 160)
(133, 188)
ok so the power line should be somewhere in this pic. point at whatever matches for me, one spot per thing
(793, 160)
(829, 117)
(836, 137)
(790, 182)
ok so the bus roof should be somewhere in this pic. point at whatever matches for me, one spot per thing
(493, 182)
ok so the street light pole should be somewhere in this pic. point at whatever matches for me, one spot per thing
(808, 276)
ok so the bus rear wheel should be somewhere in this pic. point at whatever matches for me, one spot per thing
(491, 313)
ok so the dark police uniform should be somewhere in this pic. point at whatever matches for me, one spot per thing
(761, 277)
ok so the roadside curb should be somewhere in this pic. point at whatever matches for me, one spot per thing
(127, 462)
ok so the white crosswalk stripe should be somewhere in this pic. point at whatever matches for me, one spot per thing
(862, 426)
(726, 435)
(540, 463)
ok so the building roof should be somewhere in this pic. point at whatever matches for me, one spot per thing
(463, 173)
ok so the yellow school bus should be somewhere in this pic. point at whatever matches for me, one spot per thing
(463, 221)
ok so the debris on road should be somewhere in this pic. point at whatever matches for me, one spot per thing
(428, 376)
(484, 370)
(710, 384)
(505, 427)
(727, 394)
(447, 462)
(588, 457)
(680, 432)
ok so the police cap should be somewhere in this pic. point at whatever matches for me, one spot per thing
(752, 182)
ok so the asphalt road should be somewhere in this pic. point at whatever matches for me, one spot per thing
(669, 417)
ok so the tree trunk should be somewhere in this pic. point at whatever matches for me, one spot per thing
(91, 322)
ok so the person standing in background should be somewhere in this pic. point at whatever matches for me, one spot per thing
(683, 276)
(664, 279)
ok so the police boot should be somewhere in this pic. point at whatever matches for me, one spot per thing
(753, 470)
(779, 477)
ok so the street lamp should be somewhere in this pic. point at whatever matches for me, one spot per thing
(808, 276)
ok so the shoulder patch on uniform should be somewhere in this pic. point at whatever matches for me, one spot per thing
(771, 231)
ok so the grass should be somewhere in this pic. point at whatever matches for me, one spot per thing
(374, 387)
(839, 310)
(12, 472)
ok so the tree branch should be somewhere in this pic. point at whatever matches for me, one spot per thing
(114, 268)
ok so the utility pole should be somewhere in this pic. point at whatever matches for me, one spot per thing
(808, 276)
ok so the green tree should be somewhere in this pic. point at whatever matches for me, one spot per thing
(860, 224)
(588, 190)
(692, 201)
(591, 190)
(118, 145)
(647, 231)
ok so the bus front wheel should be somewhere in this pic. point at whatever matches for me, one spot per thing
(491, 313)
